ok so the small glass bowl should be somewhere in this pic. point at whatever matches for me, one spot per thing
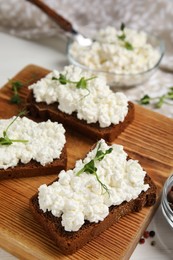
(116, 80)
(166, 209)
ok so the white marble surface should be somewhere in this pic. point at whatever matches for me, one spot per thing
(16, 53)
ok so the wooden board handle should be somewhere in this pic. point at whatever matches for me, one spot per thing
(62, 22)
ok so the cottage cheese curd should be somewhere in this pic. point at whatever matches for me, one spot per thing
(79, 198)
(96, 103)
(109, 54)
(45, 142)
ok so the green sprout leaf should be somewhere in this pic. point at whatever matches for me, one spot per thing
(5, 140)
(62, 79)
(15, 99)
(122, 27)
(170, 93)
(16, 86)
(121, 37)
(90, 166)
(145, 100)
(128, 46)
(160, 102)
(82, 83)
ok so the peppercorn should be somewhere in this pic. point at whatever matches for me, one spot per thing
(170, 196)
(153, 243)
(152, 233)
(142, 241)
(146, 234)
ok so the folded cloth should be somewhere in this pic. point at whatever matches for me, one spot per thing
(24, 19)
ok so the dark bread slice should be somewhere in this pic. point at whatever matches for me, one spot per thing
(70, 242)
(34, 168)
(94, 131)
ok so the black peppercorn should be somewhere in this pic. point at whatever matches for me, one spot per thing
(153, 243)
(152, 233)
(170, 198)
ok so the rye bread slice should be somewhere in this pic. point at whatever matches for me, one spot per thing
(70, 242)
(34, 168)
(43, 111)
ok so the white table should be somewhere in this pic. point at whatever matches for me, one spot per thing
(17, 53)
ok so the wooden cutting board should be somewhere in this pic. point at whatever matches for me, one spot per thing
(149, 139)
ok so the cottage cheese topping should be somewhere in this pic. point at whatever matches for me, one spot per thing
(109, 54)
(97, 103)
(45, 142)
(79, 198)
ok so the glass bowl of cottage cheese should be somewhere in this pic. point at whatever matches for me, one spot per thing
(126, 57)
(167, 200)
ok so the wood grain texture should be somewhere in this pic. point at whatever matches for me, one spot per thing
(148, 139)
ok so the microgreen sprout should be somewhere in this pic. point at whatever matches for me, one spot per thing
(16, 86)
(122, 37)
(90, 166)
(82, 83)
(5, 140)
(158, 101)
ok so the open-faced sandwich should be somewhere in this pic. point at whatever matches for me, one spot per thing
(82, 101)
(29, 149)
(83, 202)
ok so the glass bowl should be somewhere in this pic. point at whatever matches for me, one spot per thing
(166, 209)
(119, 80)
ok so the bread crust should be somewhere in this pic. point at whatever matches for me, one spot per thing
(93, 130)
(34, 168)
(70, 242)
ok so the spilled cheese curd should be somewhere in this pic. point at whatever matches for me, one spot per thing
(45, 142)
(111, 54)
(94, 103)
(79, 198)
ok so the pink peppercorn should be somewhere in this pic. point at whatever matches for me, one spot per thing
(142, 241)
(146, 234)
